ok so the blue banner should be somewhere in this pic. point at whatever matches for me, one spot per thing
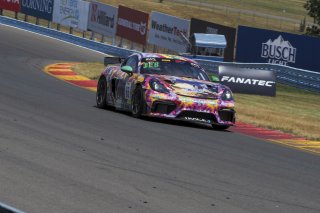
(266, 46)
(42, 9)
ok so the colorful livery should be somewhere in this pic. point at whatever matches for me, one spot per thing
(165, 86)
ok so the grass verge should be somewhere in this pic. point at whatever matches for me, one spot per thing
(292, 110)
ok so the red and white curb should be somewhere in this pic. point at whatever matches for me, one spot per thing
(64, 72)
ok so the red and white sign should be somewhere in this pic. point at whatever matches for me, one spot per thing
(12, 5)
(132, 25)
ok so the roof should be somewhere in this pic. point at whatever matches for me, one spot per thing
(210, 40)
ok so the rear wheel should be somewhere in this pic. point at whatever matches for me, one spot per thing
(101, 95)
(220, 127)
(137, 102)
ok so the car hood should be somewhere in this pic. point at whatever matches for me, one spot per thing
(189, 87)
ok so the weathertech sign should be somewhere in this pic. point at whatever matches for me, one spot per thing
(13, 5)
(132, 25)
(168, 31)
(279, 51)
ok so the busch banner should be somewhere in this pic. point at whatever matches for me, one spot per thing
(267, 46)
(132, 25)
(12, 5)
(38, 8)
(166, 31)
(200, 26)
(248, 81)
(71, 13)
(103, 19)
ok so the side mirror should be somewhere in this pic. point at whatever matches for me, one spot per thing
(214, 78)
(127, 69)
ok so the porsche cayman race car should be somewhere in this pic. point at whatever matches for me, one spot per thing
(165, 86)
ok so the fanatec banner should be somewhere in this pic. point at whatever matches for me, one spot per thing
(38, 8)
(266, 46)
(103, 19)
(200, 26)
(13, 5)
(132, 25)
(248, 81)
(71, 13)
(166, 31)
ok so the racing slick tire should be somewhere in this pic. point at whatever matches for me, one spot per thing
(101, 95)
(138, 102)
(219, 127)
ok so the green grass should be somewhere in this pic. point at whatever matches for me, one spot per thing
(292, 110)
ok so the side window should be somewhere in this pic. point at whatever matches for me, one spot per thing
(132, 62)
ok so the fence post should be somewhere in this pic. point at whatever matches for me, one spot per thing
(37, 21)
(102, 38)
(58, 27)
(1, 12)
(16, 15)
(49, 24)
(92, 35)
(71, 30)
(26, 18)
(83, 34)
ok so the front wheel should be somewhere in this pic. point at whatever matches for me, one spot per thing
(220, 127)
(138, 102)
(101, 95)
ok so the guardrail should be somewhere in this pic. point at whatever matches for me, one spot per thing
(291, 76)
(8, 209)
(299, 78)
(94, 45)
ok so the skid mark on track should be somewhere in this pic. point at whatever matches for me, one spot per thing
(63, 71)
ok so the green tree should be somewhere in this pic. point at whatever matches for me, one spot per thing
(313, 8)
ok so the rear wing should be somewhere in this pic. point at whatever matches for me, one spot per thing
(112, 60)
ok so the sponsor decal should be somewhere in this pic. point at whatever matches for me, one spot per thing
(212, 30)
(279, 51)
(249, 81)
(167, 29)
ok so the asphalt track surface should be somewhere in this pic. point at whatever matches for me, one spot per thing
(59, 153)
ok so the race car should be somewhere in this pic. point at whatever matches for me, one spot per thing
(165, 86)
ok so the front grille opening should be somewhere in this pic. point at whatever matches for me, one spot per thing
(227, 115)
(197, 116)
(163, 107)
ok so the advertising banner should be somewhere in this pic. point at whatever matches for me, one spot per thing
(103, 19)
(42, 9)
(166, 31)
(71, 13)
(13, 5)
(266, 46)
(132, 25)
(248, 81)
(200, 26)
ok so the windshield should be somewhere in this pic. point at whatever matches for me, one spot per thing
(172, 67)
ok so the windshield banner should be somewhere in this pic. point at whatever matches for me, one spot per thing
(166, 31)
(132, 25)
(71, 13)
(200, 26)
(103, 19)
(13, 5)
(38, 8)
(248, 81)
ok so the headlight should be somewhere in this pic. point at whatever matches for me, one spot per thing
(157, 86)
(227, 95)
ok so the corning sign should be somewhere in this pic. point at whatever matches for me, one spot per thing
(279, 51)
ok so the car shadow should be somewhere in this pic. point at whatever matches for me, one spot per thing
(167, 121)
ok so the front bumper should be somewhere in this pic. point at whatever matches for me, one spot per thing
(212, 111)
